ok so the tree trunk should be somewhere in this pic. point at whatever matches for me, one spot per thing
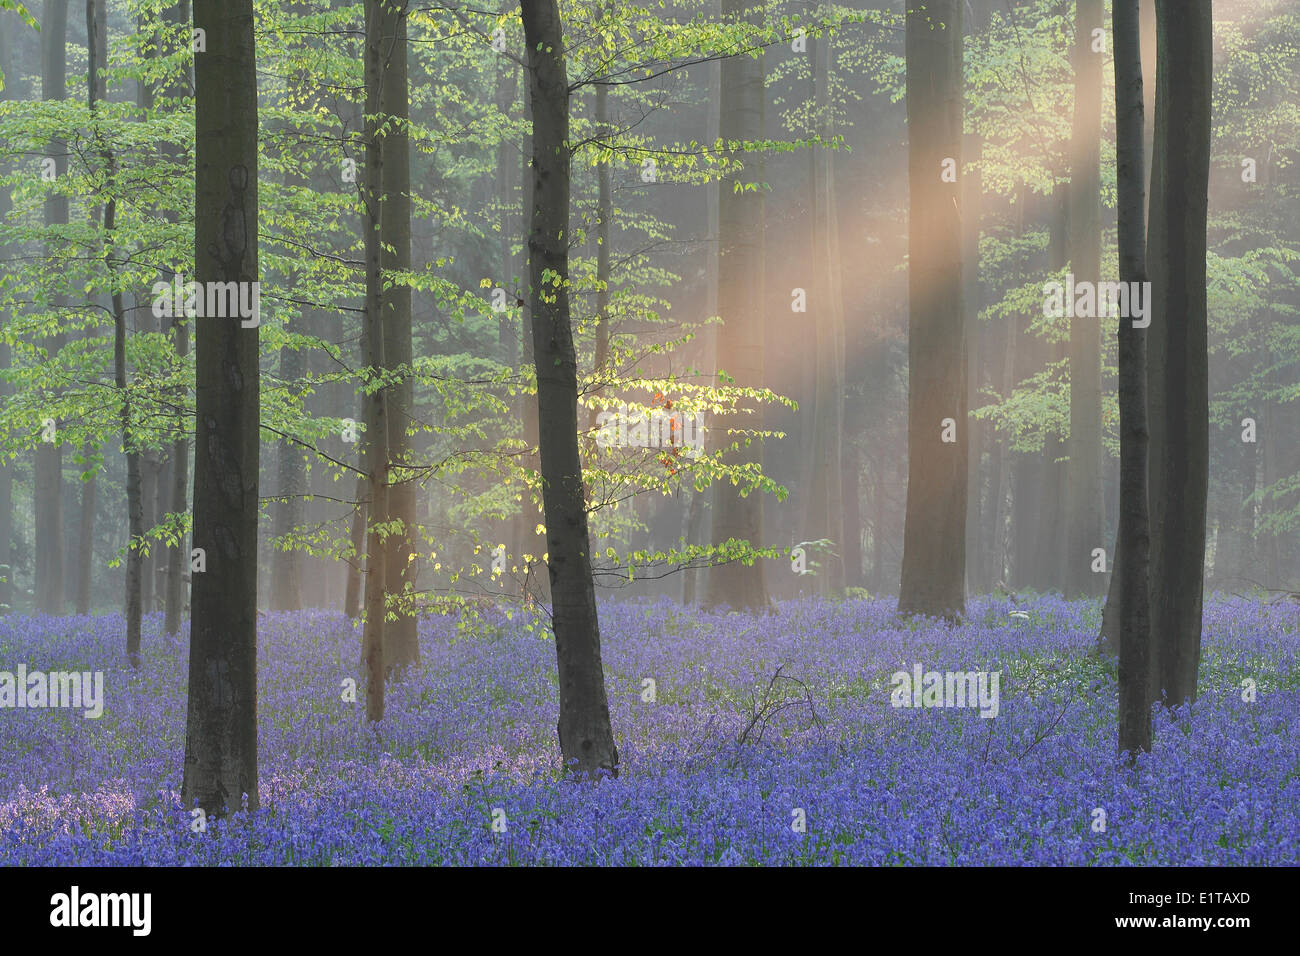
(697, 518)
(401, 644)
(1048, 522)
(96, 34)
(96, 59)
(357, 535)
(1178, 372)
(740, 337)
(376, 452)
(221, 727)
(586, 737)
(286, 581)
(148, 470)
(48, 474)
(9, 25)
(824, 515)
(934, 540)
(134, 498)
(1108, 639)
(1135, 629)
(977, 562)
(604, 217)
(178, 557)
(1085, 522)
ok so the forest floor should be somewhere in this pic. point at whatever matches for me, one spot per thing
(773, 740)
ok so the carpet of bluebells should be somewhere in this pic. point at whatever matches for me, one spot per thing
(752, 719)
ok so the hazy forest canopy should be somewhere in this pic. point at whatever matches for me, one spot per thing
(739, 406)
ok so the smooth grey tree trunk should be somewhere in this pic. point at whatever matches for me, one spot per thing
(978, 571)
(9, 27)
(740, 338)
(376, 452)
(96, 32)
(1109, 637)
(1085, 520)
(357, 535)
(824, 514)
(1135, 610)
(586, 737)
(1178, 380)
(48, 474)
(96, 59)
(221, 726)
(401, 644)
(286, 581)
(933, 576)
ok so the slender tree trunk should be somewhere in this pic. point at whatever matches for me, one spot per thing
(221, 727)
(178, 558)
(697, 518)
(604, 217)
(1108, 639)
(1178, 372)
(357, 535)
(1243, 521)
(977, 563)
(878, 577)
(376, 452)
(401, 644)
(96, 33)
(96, 58)
(1026, 467)
(823, 517)
(1272, 466)
(1135, 629)
(1085, 518)
(1048, 521)
(48, 474)
(586, 737)
(134, 499)
(851, 490)
(286, 581)
(9, 25)
(148, 471)
(740, 337)
(934, 540)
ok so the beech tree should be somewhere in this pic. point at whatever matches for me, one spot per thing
(373, 341)
(221, 725)
(49, 454)
(401, 646)
(1134, 532)
(1178, 369)
(739, 341)
(934, 538)
(1085, 521)
(586, 737)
